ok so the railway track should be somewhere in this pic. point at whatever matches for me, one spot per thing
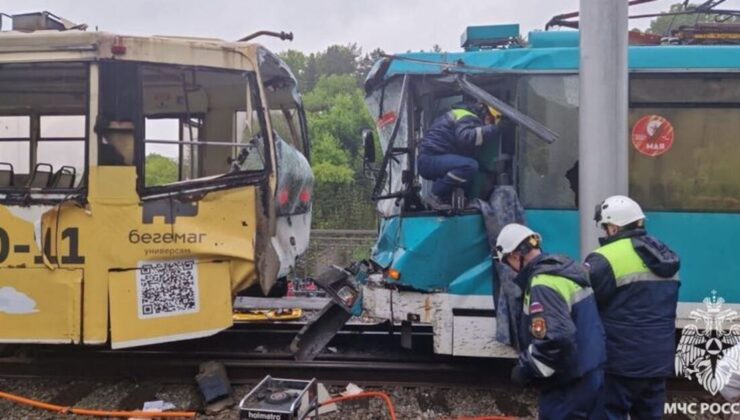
(371, 355)
(368, 354)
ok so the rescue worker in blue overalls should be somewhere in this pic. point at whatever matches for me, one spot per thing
(448, 148)
(561, 340)
(635, 280)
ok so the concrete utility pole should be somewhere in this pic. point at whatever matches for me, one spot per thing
(603, 137)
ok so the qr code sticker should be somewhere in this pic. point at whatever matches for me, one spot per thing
(167, 288)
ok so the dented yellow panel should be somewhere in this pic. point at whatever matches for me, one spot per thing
(121, 231)
(38, 305)
(108, 239)
(169, 300)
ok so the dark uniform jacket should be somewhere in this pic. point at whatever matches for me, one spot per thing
(635, 279)
(561, 336)
(457, 132)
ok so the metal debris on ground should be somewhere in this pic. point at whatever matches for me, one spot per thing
(351, 389)
(215, 387)
(323, 396)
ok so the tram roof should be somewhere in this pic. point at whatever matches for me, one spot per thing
(76, 45)
(558, 51)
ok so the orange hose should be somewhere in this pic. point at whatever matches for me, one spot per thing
(487, 418)
(367, 394)
(95, 413)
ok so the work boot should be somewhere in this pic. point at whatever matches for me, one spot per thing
(458, 199)
(436, 203)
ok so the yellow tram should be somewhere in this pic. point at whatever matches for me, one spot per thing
(143, 182)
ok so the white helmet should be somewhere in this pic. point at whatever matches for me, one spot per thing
(618, 210)
(511, 236)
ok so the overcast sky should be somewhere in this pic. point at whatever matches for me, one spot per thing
(393, 25)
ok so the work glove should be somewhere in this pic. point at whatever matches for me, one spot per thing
(520, 376)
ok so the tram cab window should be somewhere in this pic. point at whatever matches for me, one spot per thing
(295, 178)
(43, 121)
(286, 124)
(697, 170)
(547, 174)
(161, 160)
(192, 117)
(249, 133)
(493, 157)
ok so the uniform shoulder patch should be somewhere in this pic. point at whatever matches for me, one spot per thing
(538, 327)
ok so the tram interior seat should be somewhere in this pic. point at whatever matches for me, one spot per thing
(63, 178)
(7, 175)
(40, 176)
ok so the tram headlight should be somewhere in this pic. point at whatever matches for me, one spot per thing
(341, 286)
(393, 274)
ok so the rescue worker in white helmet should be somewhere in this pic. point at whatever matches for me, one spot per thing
(561, 340)
(635, 280)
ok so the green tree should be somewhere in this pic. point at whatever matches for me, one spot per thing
(663, 25)
(159, 170)
(339, 59)
(296, 60)
(322, 97)
(336, 107)
(311, 73)
(330, 81)
(331, 162)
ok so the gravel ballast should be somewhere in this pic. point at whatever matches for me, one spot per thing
(410, 402)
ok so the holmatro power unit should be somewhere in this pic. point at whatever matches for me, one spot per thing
(280, 399)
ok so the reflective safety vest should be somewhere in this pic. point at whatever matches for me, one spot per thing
(627, 265)
(571, 292)
(562, 336)
(638, 311)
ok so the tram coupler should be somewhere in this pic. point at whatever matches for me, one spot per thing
(346, 300)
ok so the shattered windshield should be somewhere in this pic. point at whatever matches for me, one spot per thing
(384, 106)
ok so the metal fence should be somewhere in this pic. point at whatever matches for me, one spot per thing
(334, 247)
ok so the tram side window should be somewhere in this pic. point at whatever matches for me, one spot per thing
(62, 144)
(15, 148)
(191, 119)
(547, 174)
(43, 120)
(684, 143)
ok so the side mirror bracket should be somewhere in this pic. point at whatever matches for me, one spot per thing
(368, 141)
(369, 157)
